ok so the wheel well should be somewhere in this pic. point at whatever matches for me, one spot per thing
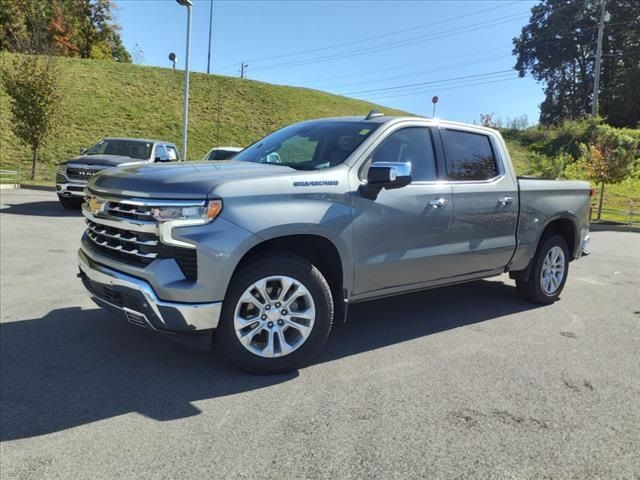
(319, 251)
(566, 229)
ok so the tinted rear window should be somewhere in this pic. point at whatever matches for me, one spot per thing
(469, 155)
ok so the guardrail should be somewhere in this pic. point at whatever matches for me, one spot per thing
(10, 176)
(630, 216)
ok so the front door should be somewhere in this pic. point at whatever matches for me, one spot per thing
(401, 235)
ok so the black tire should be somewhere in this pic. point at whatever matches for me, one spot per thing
(70, 203)
(278, 264)
(531, 288)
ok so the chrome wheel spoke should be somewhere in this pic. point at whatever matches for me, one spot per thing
(308, 314)
(247, 338)
(303, 329)
(286, 284)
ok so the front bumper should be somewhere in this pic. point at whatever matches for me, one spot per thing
(71, 189)
(140, 305)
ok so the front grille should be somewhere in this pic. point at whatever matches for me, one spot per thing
(82, 173)
(123, 241)
(123, 244)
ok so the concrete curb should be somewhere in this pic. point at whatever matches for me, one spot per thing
(614, 227)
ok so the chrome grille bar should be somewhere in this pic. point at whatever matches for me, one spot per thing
(121, 223)
(118, 248)
(95, 228)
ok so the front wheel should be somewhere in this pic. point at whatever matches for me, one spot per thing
(548, 273)
(277, 315)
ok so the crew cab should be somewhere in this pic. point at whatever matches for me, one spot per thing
(72, 175)
(262, 253)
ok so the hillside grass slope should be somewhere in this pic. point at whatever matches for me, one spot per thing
(113, 99)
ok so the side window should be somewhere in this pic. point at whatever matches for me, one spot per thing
(469, 155)
(172, 153)
(161, 153)
(412, 145)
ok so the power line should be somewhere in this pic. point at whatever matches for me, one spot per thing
(423, 72)
(443, 88)
(409, 85)
(384, 35)
(377, 70)
(440, 86)
(411, 41)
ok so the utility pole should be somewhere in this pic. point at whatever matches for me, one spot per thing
(243, 68)
(596, 78)
(210, 26)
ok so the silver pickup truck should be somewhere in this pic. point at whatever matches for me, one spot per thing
(263, 252)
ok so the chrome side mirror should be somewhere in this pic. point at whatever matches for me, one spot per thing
(389, 175)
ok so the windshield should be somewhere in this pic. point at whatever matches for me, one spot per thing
(123, 148)
(220, 154)
(310, 145)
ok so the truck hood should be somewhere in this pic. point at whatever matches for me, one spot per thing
(106, 160)
(184, 180)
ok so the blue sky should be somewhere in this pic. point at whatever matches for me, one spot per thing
(396, 53)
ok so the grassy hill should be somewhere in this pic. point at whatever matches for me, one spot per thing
(113, 99)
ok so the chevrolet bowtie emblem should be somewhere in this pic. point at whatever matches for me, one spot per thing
(95, 205)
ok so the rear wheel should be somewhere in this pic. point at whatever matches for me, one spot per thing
(548, 273)
(277, 315)
(70, 203)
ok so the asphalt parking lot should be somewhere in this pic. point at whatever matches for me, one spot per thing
(464, 382)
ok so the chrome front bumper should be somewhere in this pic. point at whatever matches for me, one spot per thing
(140, 305)
(71, 190)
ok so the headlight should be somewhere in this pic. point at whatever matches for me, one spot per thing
(200, 214)
(62, 169)
(172, 216)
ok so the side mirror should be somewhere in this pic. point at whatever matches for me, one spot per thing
(160, 159)
(83, 151)
(389, 175)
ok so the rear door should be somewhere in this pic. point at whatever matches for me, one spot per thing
(485, 201)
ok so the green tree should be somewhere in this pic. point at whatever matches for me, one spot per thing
(557, 47)
(609, 158)
(62, 27)
(31, 83)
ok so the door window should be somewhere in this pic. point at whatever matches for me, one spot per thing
(469, 155)
(409, 145)
(161, 153)
(172, 153)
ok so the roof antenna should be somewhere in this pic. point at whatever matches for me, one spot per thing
(374, 114)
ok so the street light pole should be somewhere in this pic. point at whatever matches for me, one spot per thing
(210, 26)
(185, 119)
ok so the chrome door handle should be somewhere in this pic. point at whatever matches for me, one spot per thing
(505, 200)
(439, 202)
